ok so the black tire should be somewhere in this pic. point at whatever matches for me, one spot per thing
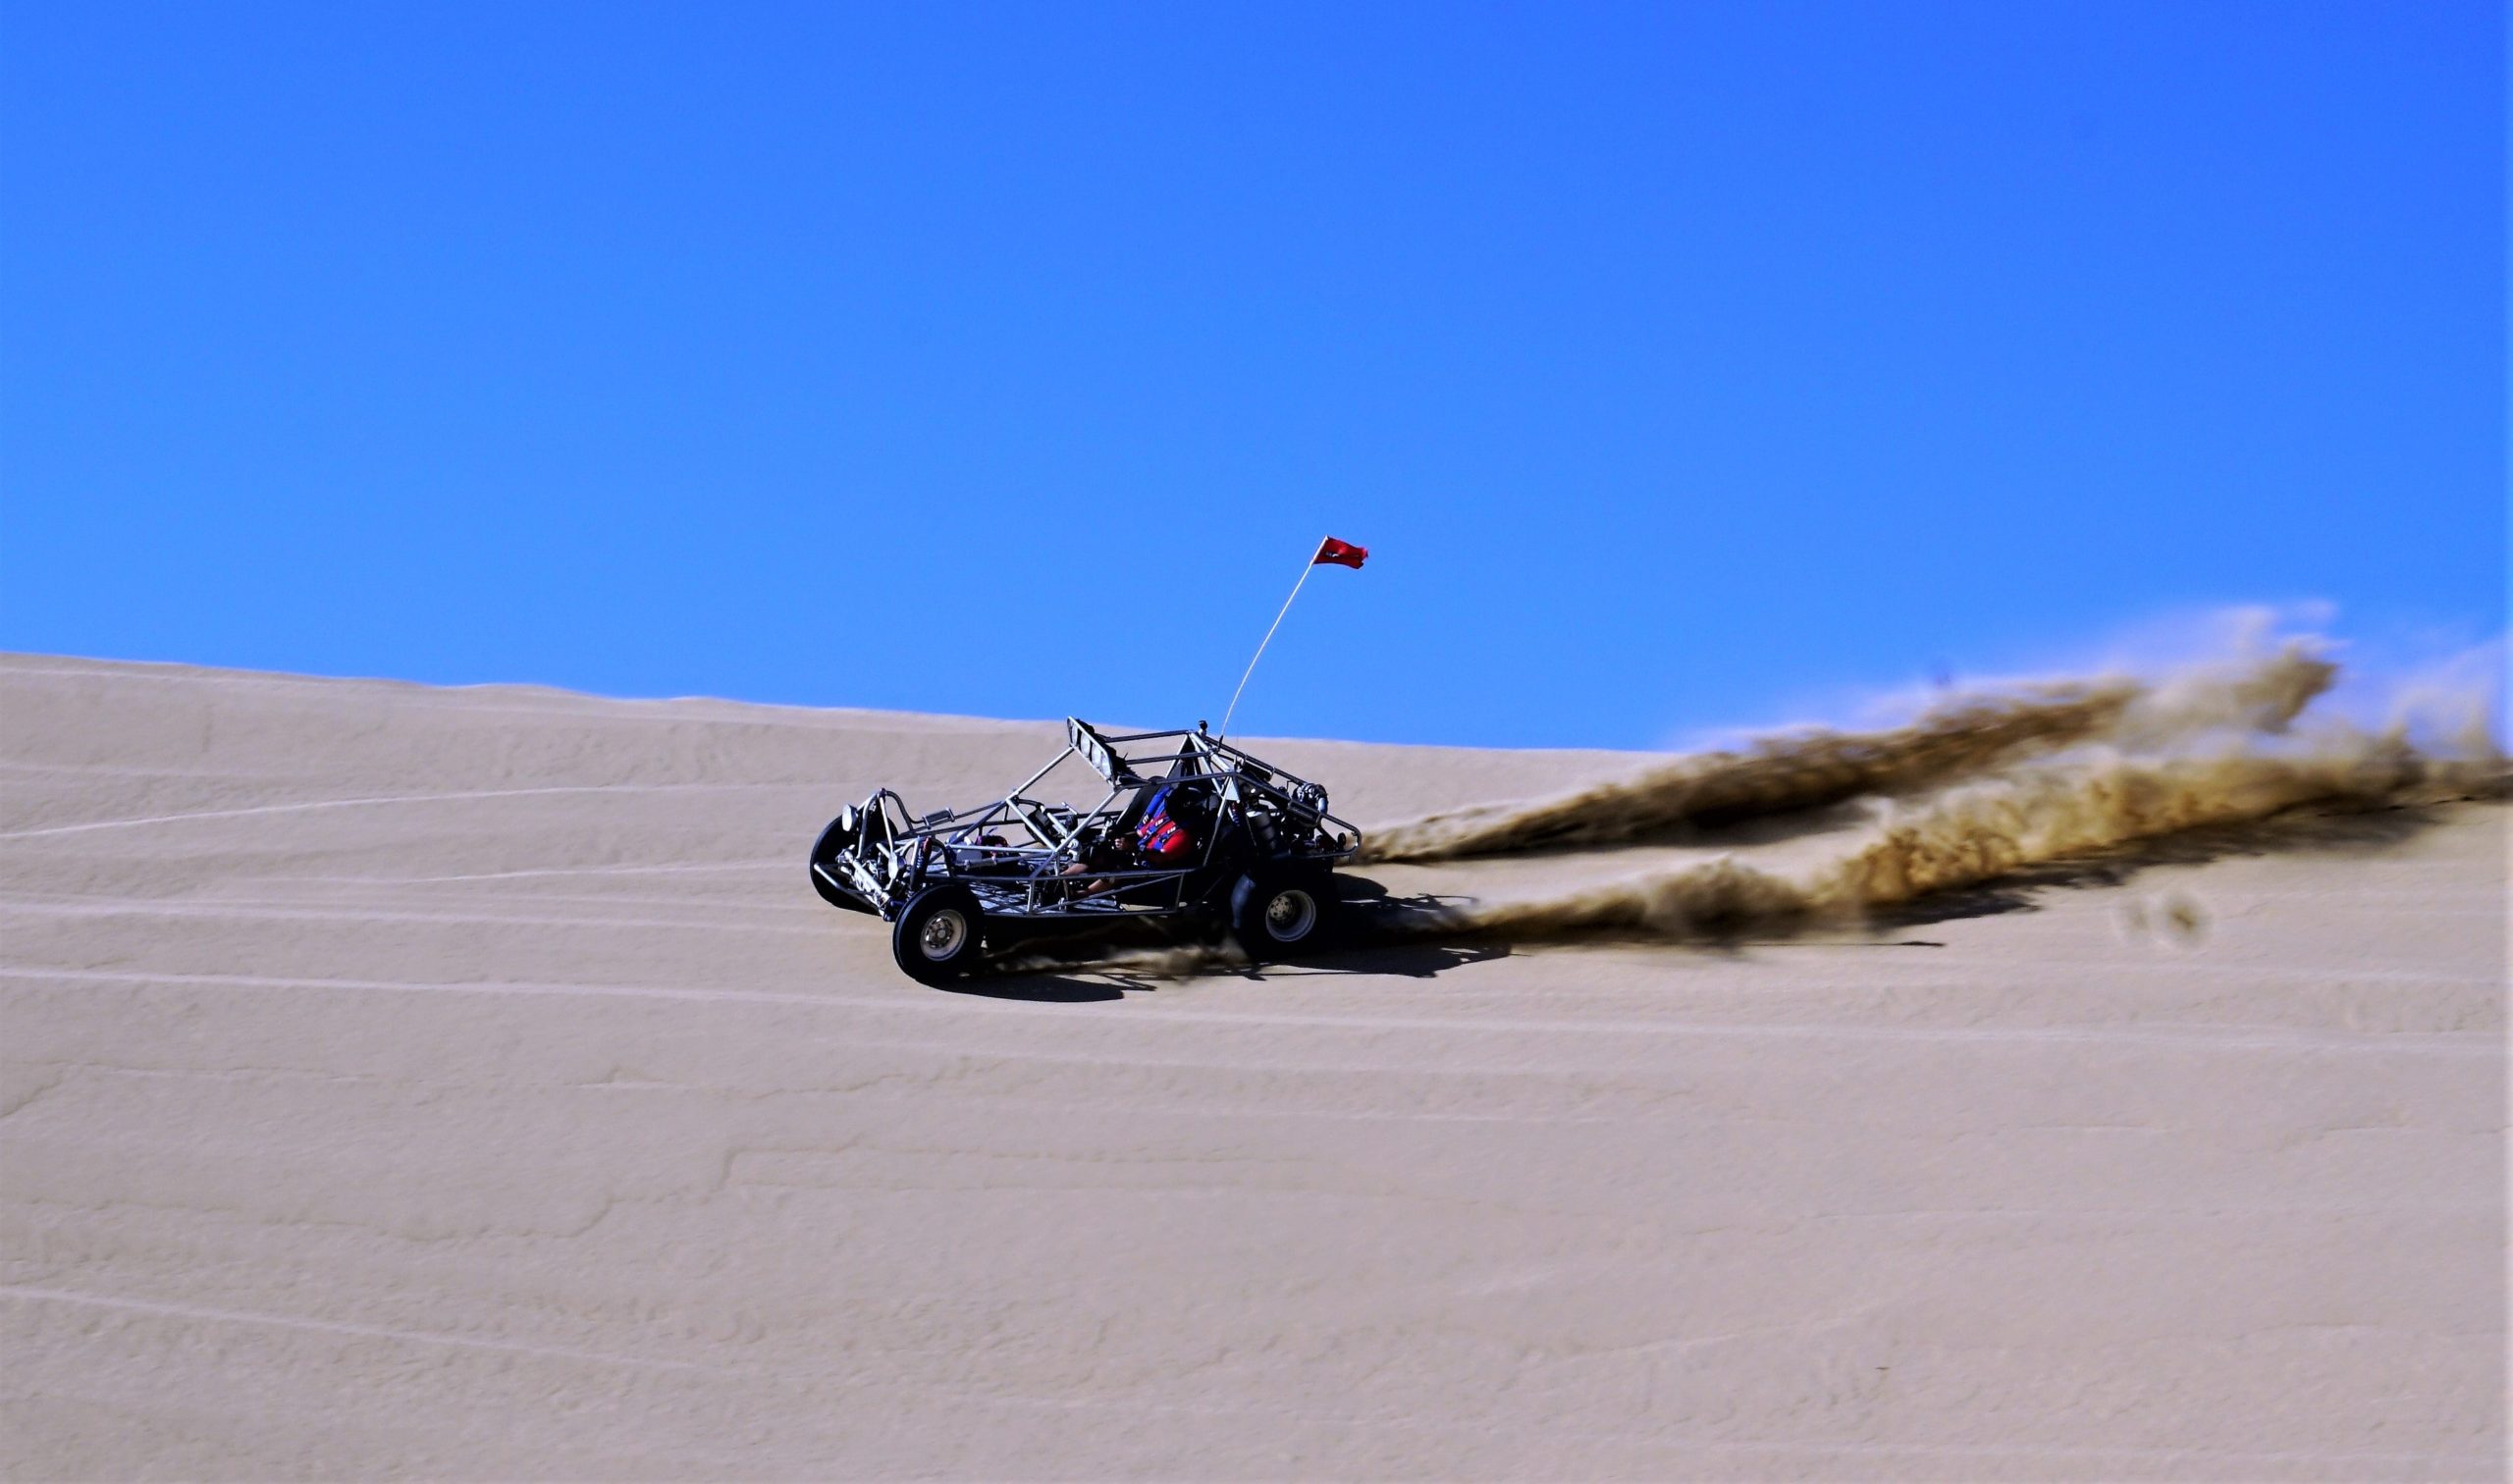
(941, 935)
(839, 896)
(1278, 914)
(833, 840)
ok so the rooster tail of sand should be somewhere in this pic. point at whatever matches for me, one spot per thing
(1953, 740)
(1990, 828)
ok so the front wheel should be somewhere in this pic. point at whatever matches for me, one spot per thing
(941, 935)
(839, 838)
(1275, 913)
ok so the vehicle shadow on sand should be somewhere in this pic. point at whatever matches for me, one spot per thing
(1097, 982)
(1381, 935)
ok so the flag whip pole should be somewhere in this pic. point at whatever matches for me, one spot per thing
(1308, 567)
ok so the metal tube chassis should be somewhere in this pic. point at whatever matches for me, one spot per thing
(1028, 861)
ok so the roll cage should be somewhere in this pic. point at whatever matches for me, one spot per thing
(1027, 859)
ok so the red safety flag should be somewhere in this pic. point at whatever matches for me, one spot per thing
(1341, 554)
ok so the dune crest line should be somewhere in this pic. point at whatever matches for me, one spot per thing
(1809, 769)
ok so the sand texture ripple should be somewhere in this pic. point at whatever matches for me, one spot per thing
(399, 1082)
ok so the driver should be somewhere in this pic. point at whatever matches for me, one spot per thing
(1162, 836)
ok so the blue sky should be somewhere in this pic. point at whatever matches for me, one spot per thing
(1678, 363)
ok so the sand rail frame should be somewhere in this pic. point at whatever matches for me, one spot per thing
(1026, 862)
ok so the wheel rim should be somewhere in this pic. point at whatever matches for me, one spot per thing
(1290, 915)
(943, 934)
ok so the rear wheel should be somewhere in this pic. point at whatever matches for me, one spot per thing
(941, 935)
(1276, 913)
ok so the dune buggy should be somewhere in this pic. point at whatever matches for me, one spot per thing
(1194, 835)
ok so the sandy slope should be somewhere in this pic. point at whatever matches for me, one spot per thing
(466, 1082)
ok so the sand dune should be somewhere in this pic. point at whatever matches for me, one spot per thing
(466, 1084)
